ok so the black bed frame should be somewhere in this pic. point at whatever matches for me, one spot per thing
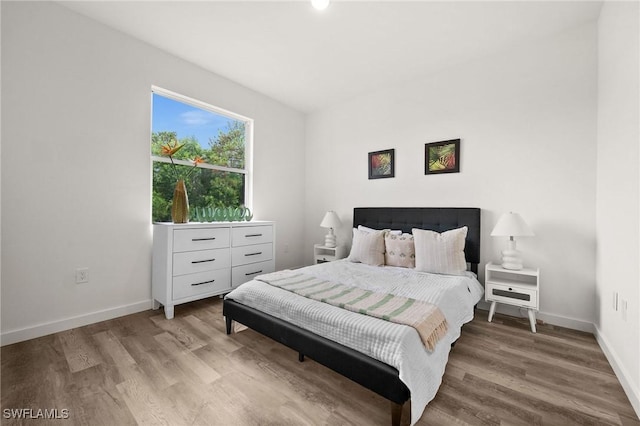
(362, 369)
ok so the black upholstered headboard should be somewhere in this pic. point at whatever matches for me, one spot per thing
(437, 219)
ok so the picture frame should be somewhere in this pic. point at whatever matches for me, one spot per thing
(381, 164)
(442, 157)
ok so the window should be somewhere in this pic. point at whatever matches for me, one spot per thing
(221, 138)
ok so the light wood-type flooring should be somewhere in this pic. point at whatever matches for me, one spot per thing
(143, 369)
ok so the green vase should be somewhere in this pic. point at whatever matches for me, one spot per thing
(180, 206)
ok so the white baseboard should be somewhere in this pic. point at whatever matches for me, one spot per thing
(39, 330)
(572, 323)
(631, 389)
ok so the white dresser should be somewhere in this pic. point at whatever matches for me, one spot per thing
(197, 260)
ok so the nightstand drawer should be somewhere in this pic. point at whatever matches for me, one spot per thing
(513, 295)
(191, 262)
(247, 235)
(251, 254)
(200, 239)
(204, 282)
(244, 273)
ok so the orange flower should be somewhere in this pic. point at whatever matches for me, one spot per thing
(198, 160)
(171, 148)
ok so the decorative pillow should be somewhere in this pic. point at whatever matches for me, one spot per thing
(400, 250)
(364, 228)
(367, 247)
(440, 253)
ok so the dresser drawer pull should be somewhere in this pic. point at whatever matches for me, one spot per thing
(205, 282)
(203, 239)
(252, 273)
(253, 235)
(203, 261)
(253, 254)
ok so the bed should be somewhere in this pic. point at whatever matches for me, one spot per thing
(353, 362)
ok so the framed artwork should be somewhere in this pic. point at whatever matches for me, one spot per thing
(381, 164)
(442, 157)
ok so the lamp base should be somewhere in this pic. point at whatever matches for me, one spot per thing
(330, 240)
(512, 259)
(512, 266)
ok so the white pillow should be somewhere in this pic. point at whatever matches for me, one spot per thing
(367, 247)
(440, 253)
(392, 232)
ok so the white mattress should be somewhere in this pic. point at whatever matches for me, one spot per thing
(394, 344)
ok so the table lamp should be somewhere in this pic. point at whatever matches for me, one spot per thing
(511, 225)
(330, 220)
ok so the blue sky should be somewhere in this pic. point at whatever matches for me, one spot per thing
(186, 120)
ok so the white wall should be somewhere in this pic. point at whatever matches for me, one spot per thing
(76, 170)
(617, 207)
(0, 174)
(527, 120)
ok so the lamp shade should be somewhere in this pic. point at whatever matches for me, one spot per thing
(330, 220)
(511, 225)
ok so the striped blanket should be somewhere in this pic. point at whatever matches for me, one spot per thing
(425, 317)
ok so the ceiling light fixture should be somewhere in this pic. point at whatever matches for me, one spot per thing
(320, 4)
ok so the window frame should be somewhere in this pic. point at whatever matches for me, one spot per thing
(248, 141)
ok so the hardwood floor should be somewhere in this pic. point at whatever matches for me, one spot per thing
(144, 369)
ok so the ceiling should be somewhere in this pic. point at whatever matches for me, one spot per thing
(310, 60)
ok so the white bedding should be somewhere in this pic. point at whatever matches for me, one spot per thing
(394, 344)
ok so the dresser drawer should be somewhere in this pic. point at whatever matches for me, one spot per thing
(201, 283)
(247, 235)
(244, 273)
(200, 239)
(513, 295)
(251, 254)
(190, 262)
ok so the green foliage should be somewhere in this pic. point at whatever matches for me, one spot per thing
(442, 157)
(228, 148)
(205, 187)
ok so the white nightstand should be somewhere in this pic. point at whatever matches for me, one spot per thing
(323, 253)
(517, 288)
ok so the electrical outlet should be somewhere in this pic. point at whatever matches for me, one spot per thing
(623, 305)
(82, 275)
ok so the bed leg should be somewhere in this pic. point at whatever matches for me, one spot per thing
(228, 321)
(396, 414)
(300, 357)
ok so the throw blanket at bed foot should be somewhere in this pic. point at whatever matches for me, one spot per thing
(425, 317)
